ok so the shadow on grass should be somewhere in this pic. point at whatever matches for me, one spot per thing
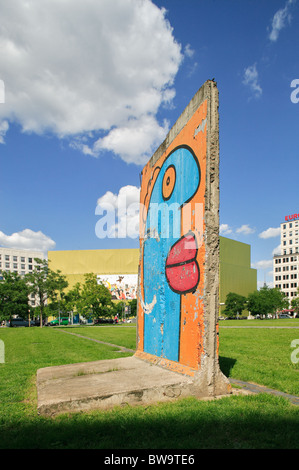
(226, 364)
(235, 422)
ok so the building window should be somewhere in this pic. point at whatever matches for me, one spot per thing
(22, 259)
(6, 257)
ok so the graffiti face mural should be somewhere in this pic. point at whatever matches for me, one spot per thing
(170, 258)
(172, 252)
(178, 282)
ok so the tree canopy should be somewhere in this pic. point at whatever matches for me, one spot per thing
(44, 283)
(95, 299)
(295, 302)
(234, 304)
(266, 300)
(13, 296)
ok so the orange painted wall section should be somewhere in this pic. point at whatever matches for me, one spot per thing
(191, 325)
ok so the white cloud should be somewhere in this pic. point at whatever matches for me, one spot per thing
(27, 240)
(277, 250)
(281, 18)
(188, 51)
(245, 229)
(136, 141)
(122, 213)
(263, 264)
(225, 229)
(270, 233)
(126, 196)
(251, 79)
(4, 126)
(95, 72)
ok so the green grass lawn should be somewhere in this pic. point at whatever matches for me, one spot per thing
(255, 421)
(259, 355)
(121, 335)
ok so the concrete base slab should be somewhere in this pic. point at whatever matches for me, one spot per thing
(106, 383)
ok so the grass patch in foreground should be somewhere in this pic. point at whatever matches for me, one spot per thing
(235, 422)
(252, 422)
(262, 356)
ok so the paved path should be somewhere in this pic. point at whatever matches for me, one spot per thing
(254, 388)
(256, 326)
(120, 348)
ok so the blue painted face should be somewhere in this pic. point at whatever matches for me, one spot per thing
(176, 184)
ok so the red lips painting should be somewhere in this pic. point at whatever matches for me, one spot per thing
(181, 268)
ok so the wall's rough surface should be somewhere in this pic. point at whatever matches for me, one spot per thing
(179, 248)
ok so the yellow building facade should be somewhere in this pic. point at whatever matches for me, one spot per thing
(118, 268)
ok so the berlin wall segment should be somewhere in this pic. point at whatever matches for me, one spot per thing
(178, 280)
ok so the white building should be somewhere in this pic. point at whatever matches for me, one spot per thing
(19, 261)
(286, 265)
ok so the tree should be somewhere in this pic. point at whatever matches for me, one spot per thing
(72, 299)
(295, 303)
(45, 284)
(13, 296)
(118, 308)
(278, 300)
(133, 304)
(57, 283)
(266, 300)
(95, 299)
(234, 304)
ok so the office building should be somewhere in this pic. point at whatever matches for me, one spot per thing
(20, 262)
(286, 264)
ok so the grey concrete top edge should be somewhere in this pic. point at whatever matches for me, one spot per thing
(203, 93)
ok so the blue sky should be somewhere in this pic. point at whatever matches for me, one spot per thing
(92, 87)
